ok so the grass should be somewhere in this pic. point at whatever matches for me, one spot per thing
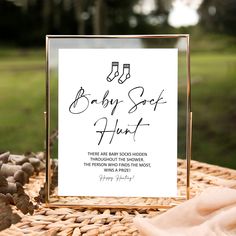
(213, 105)
(21, 102)
(22, 83)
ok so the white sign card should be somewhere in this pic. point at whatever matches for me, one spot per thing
(117, 122)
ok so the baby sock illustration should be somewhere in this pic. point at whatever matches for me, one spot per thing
(125, 75)
(114, 71)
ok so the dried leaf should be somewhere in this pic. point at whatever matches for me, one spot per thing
(6, 215)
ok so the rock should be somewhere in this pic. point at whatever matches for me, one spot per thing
(4, 157)
(40, 156)
(26, 176)
(28, 168)
(9, 169)
(42, 166)
(3, 181)
(10, 179)
(10, 188)
(18, 159)
(35, 162)
(19, 176)
(9, 198)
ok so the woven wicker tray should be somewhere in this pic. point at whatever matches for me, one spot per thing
(88, 222)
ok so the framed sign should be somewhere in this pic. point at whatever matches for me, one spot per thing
(118, 117)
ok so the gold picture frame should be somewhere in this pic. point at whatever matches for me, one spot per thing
(53, 43)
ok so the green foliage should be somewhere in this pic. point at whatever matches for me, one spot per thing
(218, 16)
(36, 18)
(22, 101)
(213, 104)
(211, 42)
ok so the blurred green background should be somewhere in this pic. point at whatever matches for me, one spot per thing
(211, 24)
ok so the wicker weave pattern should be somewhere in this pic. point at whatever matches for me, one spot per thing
(65, 221)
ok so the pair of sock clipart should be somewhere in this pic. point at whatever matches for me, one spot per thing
(115, 72)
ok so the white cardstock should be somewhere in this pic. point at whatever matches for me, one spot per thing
(118, 122)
